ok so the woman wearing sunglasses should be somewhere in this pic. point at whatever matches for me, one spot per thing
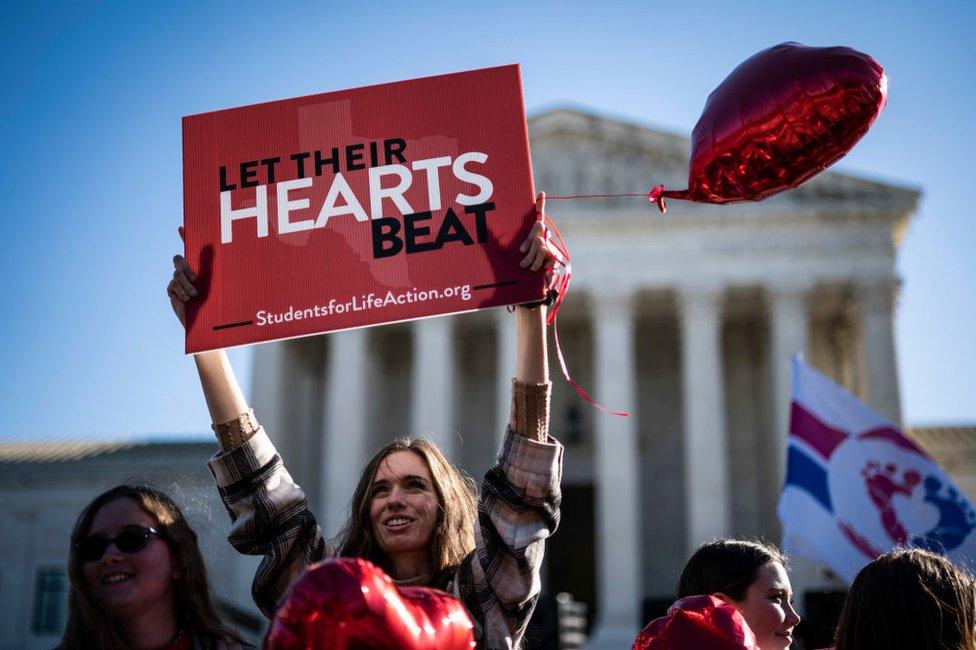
(138, 579)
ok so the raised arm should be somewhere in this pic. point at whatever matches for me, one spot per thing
(532, 365)
(532, 360)
(225, 399)
(530, 386)
(269, 512)
(518, 507)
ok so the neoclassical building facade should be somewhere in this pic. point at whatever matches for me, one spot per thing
(687, 320)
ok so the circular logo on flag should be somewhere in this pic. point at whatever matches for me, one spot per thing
(886, 493)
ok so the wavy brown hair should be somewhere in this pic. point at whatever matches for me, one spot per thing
(909, 599)
(453, 537)
(89, 626)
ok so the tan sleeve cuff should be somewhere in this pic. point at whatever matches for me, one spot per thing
(530, 409)
(232, 433)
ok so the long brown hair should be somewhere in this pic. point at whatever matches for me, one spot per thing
(453, 537)
(89, 626)
(909, 599)
(726, 566)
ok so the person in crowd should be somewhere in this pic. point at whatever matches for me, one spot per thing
(751, 577)
(909, 599)
(412, 513)
(138, 580)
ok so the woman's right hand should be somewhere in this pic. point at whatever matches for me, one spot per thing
(180, 289)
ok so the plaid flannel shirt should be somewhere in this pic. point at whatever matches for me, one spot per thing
(499, 582)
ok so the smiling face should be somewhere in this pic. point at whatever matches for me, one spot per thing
(124, 584)
(767, 607)
(403, 506)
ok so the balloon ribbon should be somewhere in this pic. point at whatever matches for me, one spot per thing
(562, 274)
(655, 196)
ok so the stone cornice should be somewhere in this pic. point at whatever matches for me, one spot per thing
(52, 478)
(44, 468)
(681, 217)
(569, 122)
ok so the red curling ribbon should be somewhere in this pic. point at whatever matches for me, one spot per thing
(571, 197)
(561, 274)
(572, 382)
(656, 196)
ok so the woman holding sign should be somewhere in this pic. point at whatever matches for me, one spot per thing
(412, 513)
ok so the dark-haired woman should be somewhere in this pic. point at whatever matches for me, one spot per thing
(138, 579)
(412, 513)
(751, 577)
(909, 599)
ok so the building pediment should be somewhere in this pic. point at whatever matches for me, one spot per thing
(579, 152)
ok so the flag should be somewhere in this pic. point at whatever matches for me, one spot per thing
(856, 487)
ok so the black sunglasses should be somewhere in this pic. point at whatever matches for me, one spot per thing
(132, 539)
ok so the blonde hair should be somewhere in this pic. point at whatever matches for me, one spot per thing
(453, 537)
(89, 626)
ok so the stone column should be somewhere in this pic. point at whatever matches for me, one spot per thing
(705, 445)
(789, 315)
(432, 402)
(619, 566)
(344, 447)
(876, 305)
(505, 341)
(842, 335)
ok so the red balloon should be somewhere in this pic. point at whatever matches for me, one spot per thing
(699, 622)
(350, 604)
(783, 116)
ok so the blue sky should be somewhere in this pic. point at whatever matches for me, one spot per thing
(91, 185)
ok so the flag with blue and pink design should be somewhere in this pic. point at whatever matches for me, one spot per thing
(856, 487)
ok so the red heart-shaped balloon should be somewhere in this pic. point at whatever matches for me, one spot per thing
(781, 117)
(351, 604)
(699, 622)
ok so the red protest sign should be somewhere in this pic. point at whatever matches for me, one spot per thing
(357, 207)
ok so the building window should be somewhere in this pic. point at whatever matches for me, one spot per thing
(50, 591)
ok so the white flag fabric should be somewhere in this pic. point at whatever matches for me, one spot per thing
(856, 487)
